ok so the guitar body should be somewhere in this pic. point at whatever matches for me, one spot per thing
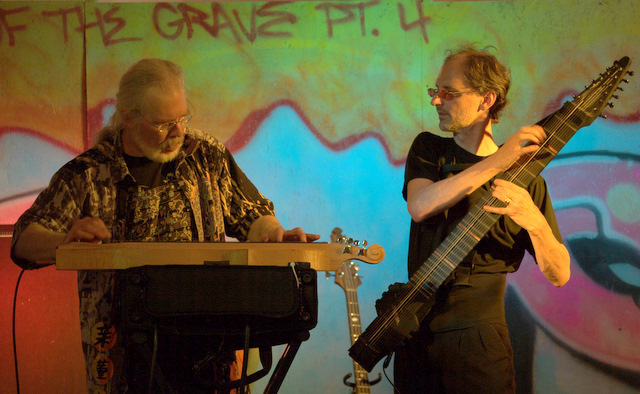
(413, 301)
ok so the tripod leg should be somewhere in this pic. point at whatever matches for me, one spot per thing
(284, 363)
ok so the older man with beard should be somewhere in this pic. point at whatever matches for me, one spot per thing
(149, 178)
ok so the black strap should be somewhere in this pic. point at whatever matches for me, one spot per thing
(456, 167)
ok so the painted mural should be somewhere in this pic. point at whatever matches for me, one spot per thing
(319, 101)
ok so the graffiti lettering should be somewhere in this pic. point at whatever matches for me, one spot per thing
(170, 21)
(102, 22)
(420, 23)
(280, 17)
(179, 24)
(238, 24)
(107, 19)
(4, 24)
(189, 16)
(63, 14)
(350, 15)
(252, 34)
(218, 11)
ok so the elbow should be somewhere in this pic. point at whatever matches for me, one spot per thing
(557, 266)
(559, 279)
(416, 214)
(564, 273)
(559, 282)
(563, 279)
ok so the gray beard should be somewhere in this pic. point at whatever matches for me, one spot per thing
(155, 153)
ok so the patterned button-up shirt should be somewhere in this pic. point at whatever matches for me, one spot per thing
(203, 197)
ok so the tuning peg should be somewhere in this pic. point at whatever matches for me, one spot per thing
(603, 116)
(327, 275)
(610, 105)
(615, 96)
(630, 73)
(362, 251)
(625, 80)
(620, 89)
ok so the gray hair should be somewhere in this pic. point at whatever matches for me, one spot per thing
(143, 75)
(485, 73)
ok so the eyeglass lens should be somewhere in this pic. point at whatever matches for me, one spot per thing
(170, 125)
(442, 94)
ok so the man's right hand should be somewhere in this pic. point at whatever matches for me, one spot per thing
(38, 244)
(526, 140)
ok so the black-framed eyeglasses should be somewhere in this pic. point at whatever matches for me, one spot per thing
(166, 126)
(444, 94)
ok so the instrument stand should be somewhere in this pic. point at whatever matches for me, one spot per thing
(286, 359)
(226, 307)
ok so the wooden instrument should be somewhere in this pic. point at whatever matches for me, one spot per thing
(110, 256)
(412, 305)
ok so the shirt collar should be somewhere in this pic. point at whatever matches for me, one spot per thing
(119, 170)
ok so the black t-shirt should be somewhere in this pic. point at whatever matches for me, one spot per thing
(145, 171)
(480, 297)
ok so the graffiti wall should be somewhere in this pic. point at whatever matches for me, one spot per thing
(319, 101)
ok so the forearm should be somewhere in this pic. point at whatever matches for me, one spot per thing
(426, 198)
(38, 244)
(552, 256)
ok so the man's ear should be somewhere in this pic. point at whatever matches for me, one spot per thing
(128, 117)
(488, 99)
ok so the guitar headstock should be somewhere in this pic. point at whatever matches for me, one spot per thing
(350, 249)
(347, 275)
(596, 97)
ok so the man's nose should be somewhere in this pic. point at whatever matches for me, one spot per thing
(177, 130)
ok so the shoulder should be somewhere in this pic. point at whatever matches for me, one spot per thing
(431, 142)
(198, 138)
(427, 136)
(430, 146)
(100, 155)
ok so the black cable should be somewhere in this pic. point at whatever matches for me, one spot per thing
(386, 363)
(13, 329)
(153, 358)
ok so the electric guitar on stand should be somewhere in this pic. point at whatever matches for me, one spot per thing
(347, 278)
(412, 304)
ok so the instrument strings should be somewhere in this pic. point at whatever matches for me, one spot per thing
(477, 215)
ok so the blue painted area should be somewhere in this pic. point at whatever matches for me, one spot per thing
(318, 189)
(27, 163)
(605, 135)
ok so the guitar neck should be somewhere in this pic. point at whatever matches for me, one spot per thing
(349, 285)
